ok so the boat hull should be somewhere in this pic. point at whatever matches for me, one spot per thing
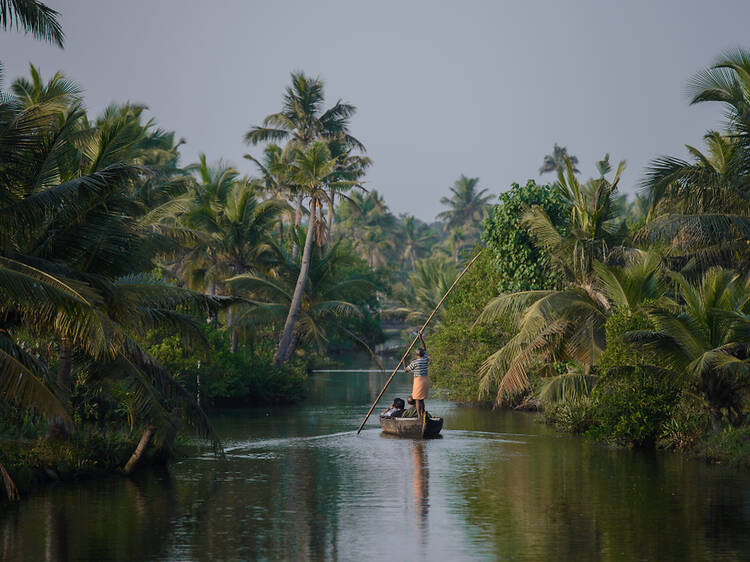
(411, 427)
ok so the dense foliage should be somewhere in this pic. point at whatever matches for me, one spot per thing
(521, 265)
(632, 403)
(459, 346)
(223, 378)
(629, 321)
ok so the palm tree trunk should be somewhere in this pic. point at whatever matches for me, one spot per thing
(330, 216)
(285, 343)
(57, 427)
(232, 331)
(64, 364)
(233, 336)
(212, 292)
(297, 221)
(139, 450)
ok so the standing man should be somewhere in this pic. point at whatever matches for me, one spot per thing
(421, 378)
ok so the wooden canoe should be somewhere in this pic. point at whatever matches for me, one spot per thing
(411, 427)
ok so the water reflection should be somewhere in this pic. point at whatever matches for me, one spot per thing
(420, 487)
(299, 484)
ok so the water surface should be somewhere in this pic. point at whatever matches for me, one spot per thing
(297, 483)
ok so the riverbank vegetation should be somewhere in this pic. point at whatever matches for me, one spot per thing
(626, 320)
(138, 290)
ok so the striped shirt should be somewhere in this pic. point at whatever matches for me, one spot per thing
(419, 366)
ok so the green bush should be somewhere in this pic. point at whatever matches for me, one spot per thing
(632, 404)
(520, 265)
(730, 445)
(84, 454)
(247, 377)
(687, 425)
(574, 416)
(633, 407)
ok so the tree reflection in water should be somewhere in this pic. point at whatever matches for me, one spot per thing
(420, 487)
(300, 485)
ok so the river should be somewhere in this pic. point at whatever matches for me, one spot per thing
(298, 484)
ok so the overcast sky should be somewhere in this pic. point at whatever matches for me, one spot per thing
(442, 88)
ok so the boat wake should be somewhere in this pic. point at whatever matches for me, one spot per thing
(236, 446)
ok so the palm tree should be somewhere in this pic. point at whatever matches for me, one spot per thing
(706, 340)
(452, 245)
(314, 171)
(415, 238)
(275, 168)
(467, 205)
(368, 223)
(593, 227)
(701, 209)
(58, 89)
(67, 235)
(32, 16)
(698, 207)
(181, 218)
(713, 182)
(302, 121)
(351, 169)
(565, 326)
(556, 161)
(728, 81)
(235, 232)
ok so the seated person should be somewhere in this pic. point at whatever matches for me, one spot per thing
(395, 410)
(412, 412)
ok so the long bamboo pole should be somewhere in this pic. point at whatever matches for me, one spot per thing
(429, 318)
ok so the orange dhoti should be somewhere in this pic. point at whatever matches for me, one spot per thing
(420, 388)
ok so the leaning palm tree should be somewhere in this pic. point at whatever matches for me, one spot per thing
(314, 171)
(302, 119)
(33, 17)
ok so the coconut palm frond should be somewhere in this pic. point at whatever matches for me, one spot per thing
(23, 378)
(568, 386)
(33, 17)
